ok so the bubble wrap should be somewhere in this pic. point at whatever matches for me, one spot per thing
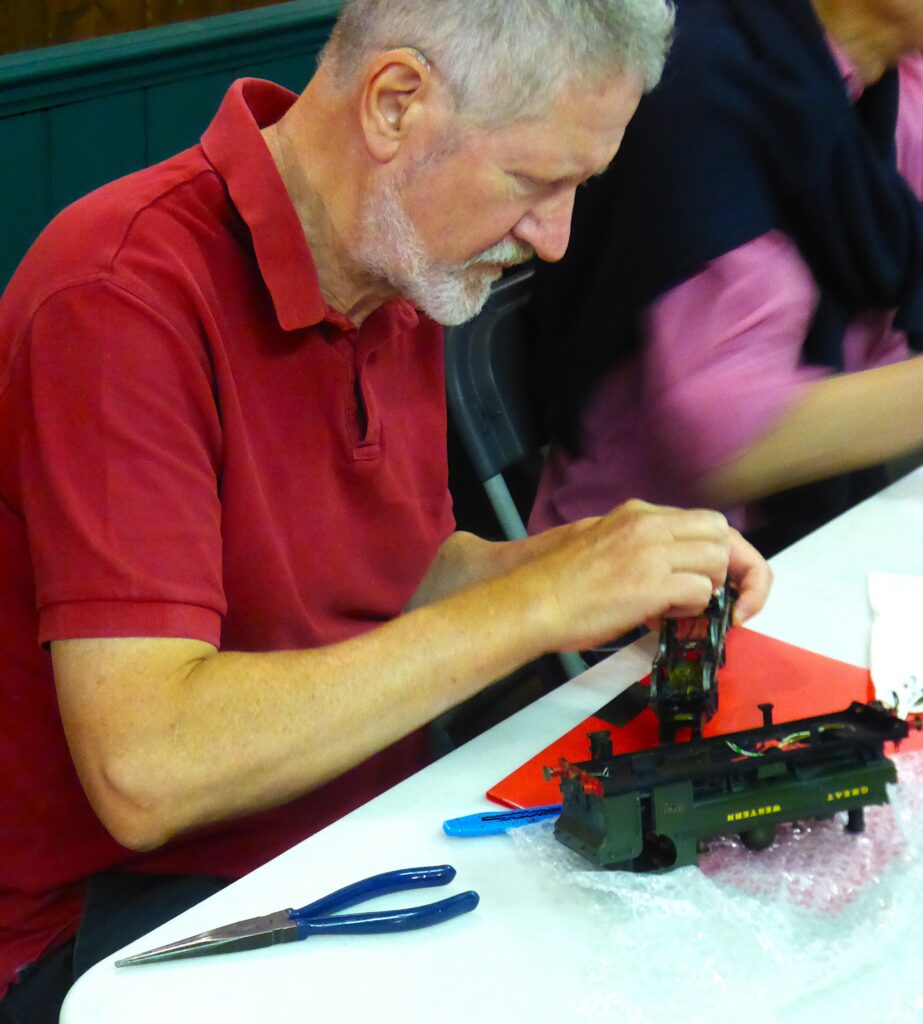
(823, 926)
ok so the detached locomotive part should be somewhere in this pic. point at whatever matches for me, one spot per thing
(684, 673)
(651, 809)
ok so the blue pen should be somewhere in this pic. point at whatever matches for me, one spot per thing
(494, 822)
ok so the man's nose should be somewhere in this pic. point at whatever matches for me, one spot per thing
(546, 227)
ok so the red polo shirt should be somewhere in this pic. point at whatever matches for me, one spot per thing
(192, 444)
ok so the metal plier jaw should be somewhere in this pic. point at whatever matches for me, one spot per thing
(254, 933)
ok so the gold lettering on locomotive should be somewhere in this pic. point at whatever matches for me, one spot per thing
(846, 794)
(754, 812)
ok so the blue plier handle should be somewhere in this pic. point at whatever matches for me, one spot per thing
(314, 917)
(321, 916)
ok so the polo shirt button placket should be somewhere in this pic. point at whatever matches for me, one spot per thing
(367, 421)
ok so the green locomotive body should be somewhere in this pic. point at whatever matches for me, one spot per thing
(652, 809)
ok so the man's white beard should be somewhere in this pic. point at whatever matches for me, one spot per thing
(392, 250)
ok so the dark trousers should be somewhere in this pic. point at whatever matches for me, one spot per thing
(118, 909)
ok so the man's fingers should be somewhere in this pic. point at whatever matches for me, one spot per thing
(706, 558)
(688, 523)
(752, 577)
(687, 595)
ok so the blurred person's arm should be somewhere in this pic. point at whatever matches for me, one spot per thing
(845, 423)
(732, 411)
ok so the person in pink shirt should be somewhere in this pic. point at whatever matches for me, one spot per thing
(717, 396)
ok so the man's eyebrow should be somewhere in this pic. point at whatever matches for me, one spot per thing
(562, 179)
(551, 182)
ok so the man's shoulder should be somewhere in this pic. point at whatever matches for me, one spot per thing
(158, 210)
(145, 237)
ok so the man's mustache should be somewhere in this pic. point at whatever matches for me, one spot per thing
(506, 253)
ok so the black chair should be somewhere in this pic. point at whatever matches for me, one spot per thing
(487, 391)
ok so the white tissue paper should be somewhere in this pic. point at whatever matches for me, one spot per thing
(896, 655)
(825, 925)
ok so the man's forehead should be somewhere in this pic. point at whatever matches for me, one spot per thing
(576, 138)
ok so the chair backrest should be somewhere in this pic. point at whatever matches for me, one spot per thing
(488, 396)
(487, 392)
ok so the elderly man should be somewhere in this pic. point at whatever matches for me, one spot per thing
(233, 583)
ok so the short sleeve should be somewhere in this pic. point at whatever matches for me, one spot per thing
(120, 469)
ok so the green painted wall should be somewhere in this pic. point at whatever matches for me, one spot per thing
(76, 116)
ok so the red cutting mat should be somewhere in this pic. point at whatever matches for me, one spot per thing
(759, 669)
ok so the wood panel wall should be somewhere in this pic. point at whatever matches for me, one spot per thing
(29, 24)
(73, 117)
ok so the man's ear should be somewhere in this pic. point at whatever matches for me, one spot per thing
(396, 86)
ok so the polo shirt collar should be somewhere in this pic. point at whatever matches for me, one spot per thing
(236, 149)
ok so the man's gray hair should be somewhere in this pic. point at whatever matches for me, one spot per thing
(504, 60)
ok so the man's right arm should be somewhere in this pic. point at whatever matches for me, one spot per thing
(169, 735)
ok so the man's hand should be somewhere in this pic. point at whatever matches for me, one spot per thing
(464, 560)
(640, 563)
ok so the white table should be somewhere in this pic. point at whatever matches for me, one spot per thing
(523, 955)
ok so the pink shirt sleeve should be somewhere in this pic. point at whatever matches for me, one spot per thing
(910, 122)
(723, 355)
